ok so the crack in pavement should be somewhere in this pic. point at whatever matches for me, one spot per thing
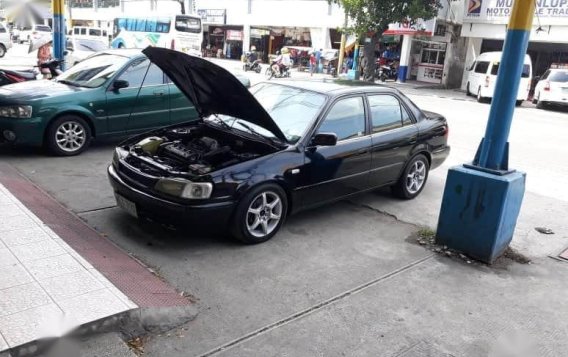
(384, 213)
(300, 314)
(96, 209)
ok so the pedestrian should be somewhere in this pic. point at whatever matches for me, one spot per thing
(44, 56)
(313, 63)
(318, 59)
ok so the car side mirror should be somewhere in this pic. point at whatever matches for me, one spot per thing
(120, 84)
(324, 139)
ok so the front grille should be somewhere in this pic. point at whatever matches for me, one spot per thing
(136, 177)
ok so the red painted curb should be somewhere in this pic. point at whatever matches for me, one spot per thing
(130, 276)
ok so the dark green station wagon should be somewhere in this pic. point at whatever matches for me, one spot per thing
(113, 93)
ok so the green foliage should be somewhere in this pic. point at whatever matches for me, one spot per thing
(376, 15)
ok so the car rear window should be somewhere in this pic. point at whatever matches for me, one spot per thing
(526, 70)
(558, 76)
(481, 67)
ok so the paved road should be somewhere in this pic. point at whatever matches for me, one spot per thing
(350, 257)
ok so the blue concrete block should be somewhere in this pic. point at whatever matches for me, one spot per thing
(479, 212)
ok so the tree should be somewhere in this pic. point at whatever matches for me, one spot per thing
(372, 17)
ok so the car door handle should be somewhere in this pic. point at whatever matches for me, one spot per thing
(159, 93)
(362, 151)
(413, 140)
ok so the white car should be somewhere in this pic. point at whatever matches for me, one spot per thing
(80, 48)
(552, 88)
(482, 77)
(5, 40)
(32, 33)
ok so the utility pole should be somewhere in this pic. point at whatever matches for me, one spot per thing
(59, 29)
(342, 46)
(482, 200)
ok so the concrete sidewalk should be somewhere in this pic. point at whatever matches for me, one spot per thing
(58, 275)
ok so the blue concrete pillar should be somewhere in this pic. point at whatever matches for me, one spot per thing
(482, 200)
(404, 58)
(59, 30)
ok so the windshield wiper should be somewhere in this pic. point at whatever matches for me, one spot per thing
(89, 48)
(69, 83)
(254, 132)
(220, 122)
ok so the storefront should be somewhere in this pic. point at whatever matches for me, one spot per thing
(223, 42)
(427, 61)
(485, 27)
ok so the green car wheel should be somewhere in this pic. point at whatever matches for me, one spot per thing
(68, 135)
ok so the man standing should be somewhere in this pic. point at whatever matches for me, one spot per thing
(318, 59)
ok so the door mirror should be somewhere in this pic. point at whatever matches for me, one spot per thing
(324, 139)
(119, 84)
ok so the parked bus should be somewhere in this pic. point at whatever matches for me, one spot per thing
(178, 32)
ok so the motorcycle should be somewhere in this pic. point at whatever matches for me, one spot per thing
(252, 65)
(388, 71)
(271, 73)
(10, 76)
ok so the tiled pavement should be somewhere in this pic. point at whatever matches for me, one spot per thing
(46, 288)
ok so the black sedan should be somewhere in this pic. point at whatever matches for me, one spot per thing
(255, 157)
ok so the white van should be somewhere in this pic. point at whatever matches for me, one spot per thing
(483, 76)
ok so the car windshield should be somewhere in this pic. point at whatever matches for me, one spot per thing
(558, 76)
(292, 109)
(188, 24)
(89, 45)
(93, 72)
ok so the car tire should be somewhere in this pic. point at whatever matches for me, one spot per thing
(480, 99)
(68, 135)
(540, 104)
(518, 103)
(413, 178)
(254, 220)
(2, 51)
(467, 92)
(535, 99)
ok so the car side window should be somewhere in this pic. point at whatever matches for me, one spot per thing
(154, 77)
(135, 72)
(471, 67)
(387, 113)
(346, 119)
(2, 29)
(481, 67)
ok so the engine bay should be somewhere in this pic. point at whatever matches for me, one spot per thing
(197, 150)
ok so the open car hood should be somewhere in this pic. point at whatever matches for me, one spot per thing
(212, 89)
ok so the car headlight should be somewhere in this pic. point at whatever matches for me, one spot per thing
(16, 111)
(184, 188)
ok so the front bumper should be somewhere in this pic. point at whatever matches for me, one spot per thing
(27, 131)
(439, 156)
(208, 215)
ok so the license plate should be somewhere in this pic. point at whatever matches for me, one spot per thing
(127, 205)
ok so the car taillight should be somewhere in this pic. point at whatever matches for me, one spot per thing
(487, 81)
(173, 45)
(447, 133)
(547, 86)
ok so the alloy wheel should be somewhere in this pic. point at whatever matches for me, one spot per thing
(70, 136)
(264, 214)
(416, 177)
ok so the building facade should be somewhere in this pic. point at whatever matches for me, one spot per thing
(432, 51)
